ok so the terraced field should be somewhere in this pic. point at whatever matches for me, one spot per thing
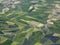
(30, 22)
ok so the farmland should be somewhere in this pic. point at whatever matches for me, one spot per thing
(29, 22)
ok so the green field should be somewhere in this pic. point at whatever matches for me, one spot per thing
(30, 22)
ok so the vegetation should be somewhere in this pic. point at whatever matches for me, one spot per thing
(31, 22)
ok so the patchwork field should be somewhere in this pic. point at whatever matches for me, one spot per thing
(29, 22)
